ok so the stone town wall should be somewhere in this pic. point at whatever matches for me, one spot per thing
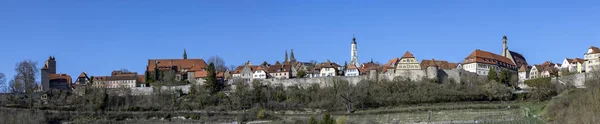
(418, 75)
(322, 81)
(185, 89)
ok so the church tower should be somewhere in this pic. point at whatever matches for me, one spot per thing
(353, 53)
(286, 56)
(504, 46)
(184, 54)
(292, 58)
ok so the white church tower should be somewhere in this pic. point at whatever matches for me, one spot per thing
(353, 53)
(505, 51)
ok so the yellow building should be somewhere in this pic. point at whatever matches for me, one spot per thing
(578, 64)
(408, 62)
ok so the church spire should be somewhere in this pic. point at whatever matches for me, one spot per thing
(292, 58)
(286, 56)
(353, 39)
(184, 54)
(504, 46)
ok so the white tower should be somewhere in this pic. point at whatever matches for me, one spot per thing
(504, 46)
(353, 54)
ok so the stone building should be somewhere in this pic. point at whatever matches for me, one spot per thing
(181, 67)
(118, 79)
(52, 80)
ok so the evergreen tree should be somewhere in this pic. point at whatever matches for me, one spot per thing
(492, 75)
(312, 120)
(211, 82)
(327, 119)
(504, 77)
(301, 74)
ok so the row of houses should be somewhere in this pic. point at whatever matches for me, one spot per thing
(589, 63)
(195, 71)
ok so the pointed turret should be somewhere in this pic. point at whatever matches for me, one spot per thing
(286, 56)
(184, 54)
(292, 58)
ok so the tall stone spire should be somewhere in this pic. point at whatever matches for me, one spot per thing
(286, 56)
(292, 58)
(504, 46)
(184, 54)
(353, 53)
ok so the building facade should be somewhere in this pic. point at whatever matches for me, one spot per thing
(117, 79)
(481, 62)
(408, 62)
(592, 59)
(52, 80)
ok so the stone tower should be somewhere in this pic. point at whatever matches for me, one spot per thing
(184, 54)
(49, 68)
(504, 46)
(432, 70)
(353, 53)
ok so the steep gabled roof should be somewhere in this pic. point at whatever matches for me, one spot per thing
(523, 69)
(407, 54)
(82, 75)
(569, 60)
(539, 68)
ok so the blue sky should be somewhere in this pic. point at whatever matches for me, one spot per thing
(100, 36)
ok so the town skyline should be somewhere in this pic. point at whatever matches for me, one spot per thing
(85, 44)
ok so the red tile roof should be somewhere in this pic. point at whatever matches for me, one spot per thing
(523, 69)
(408, 55)
(196, 68)
(141, 79)
(578, 60)
(594, 49)
(65, 77)
(238, 70)
(442, 64)
(82, 75)
(351, 66)
(200, 74)
(432, 63)
(481, 56)
(179, 63)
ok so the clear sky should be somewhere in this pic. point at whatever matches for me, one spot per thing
(100, 36)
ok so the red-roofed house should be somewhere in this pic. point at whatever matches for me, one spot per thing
(117, 79)
(352, 70)
(481, 62)
(408, 62)
(181, 67)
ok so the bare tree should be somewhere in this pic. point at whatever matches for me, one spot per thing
(24, 80)
(2, 82)
(232, 67)
(219, 63)
(345, 92)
